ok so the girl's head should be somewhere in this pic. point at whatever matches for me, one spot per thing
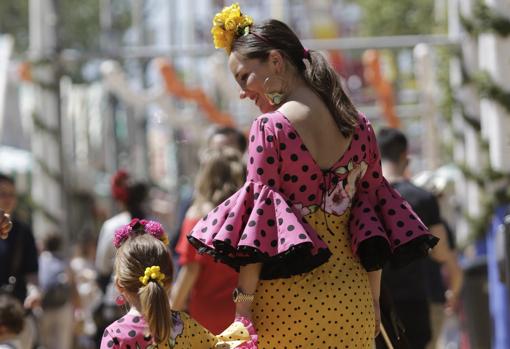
(143, 273)
(221, 174)
(268, 58)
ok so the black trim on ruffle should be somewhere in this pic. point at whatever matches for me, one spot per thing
(375, 253)
(296, 260)
(414, 249)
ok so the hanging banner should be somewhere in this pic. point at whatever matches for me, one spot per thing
(176, 87)
(382, 87)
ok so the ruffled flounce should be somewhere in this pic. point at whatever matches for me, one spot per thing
(240, 335)
(257, 224)
(385, 229)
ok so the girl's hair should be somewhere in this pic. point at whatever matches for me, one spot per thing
(221, 174)
(133, 256)
(319, 75)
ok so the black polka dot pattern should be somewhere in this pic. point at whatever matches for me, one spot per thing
(185, 333)
(329, 307)
(296, 204)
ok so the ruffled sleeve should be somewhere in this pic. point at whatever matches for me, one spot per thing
(257, 223)
(384, 227)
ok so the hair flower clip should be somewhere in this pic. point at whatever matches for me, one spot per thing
(229, 24)
(137, 226)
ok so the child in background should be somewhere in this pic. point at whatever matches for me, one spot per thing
(143, 275)
(59, 295)
(11, 322)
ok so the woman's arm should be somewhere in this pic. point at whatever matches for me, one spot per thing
(248, 281)
(186, 279)
(374, 279)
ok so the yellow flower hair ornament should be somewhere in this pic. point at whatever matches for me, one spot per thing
(228, 25)
(152, 274)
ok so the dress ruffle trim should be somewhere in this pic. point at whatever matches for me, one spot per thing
(240, 335)
(385, 229)
(257, 224)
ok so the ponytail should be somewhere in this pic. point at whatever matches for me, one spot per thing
(155, 310)
(325, 82)
(135, 255)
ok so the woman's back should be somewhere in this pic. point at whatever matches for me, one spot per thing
(317, 129)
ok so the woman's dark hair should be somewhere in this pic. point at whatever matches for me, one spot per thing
(319, 75)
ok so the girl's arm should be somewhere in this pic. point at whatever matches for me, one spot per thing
(185, 281)
(374, 279)
(248, 281)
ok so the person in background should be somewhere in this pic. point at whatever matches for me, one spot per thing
(143, 276)
(11, 322)
(59, 295)
(18, 260)
(203, 286)
(218, 138)
(408, 286)
(89, 293)
(132, 199)
(226, 136)
(437, 277)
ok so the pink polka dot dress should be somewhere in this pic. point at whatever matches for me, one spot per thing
(316, 232)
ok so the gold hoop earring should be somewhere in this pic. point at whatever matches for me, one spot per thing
(274, 95)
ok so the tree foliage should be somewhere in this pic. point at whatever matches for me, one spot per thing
(398, 17)
(14, 21)
(79, 22)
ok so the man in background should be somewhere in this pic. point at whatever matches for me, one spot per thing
(18, 259)
(408, 285)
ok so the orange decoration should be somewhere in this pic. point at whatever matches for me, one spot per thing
(383, 89)
(25, 72)
(177, 88)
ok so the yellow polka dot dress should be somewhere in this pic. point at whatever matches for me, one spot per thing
(316, 233)
(329, 307)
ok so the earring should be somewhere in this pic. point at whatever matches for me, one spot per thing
(274, 95)
(120, 300)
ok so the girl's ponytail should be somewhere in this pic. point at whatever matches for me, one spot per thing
(156, 311)
(143, 268)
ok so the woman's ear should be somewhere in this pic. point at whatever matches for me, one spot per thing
(276, 61)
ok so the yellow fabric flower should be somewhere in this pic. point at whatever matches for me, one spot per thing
(152, 273)
(229, 24)
(165, 240)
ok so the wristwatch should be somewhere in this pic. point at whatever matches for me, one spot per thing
(238, 296)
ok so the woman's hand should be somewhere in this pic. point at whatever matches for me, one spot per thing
(377, 315)
(5, 224)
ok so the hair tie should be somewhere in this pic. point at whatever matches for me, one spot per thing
(306, 53)
(152, 274)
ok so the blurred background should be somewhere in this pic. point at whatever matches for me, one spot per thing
(88, 88)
